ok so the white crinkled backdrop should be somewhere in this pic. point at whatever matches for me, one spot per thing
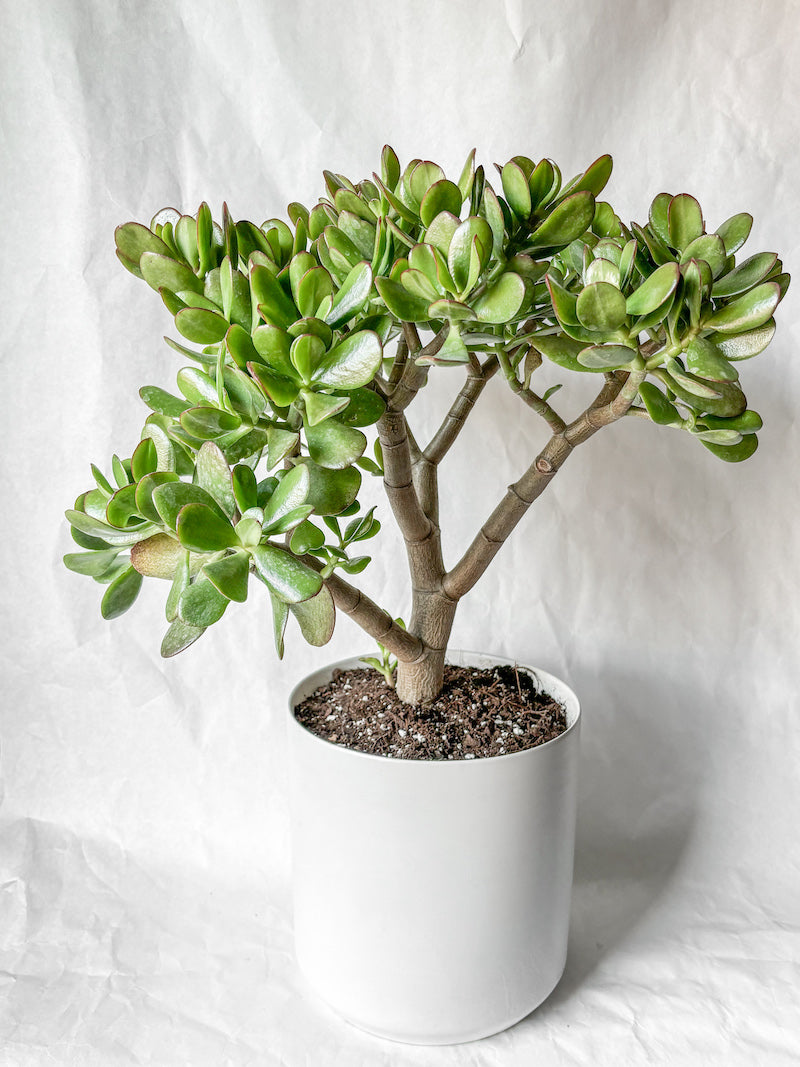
(144, 860)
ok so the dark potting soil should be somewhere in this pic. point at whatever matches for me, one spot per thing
(478, 713)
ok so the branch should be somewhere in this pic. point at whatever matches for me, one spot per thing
(613, 401)
(533, 400)
(414, 375)
(414, 524)
(372, 619)
(461, 407)
(399, 363)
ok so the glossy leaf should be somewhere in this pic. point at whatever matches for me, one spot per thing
(747, 422)
(565, 223)
(703, 358)
(214, 475)
(270, 299)
(605, 357)
(331, 491)
(685, 219)
(109, 535)
(502, 302)
(201, 603)
(735, 231)
(290, 580)
(305, 538)
(734, 453)
(516, 189)
(709, 248)
(206, 422)
(161, 401)
(280, 389)
(352, 296)
(352, 363)
(272, 346)
(321, 406)
(563, 351)
(121, 594)
(745, 345)
(747, 312)
(601, 306)
(121, 508)
(94, 564)
(459, 255)
(133, 240)
(229, 575)
(364, 409)
(316, 617)
(440, 232)
(289, 494)
(170, 496)
(164, 272)
(158, 556)
(201, 529)
(334, 446)
(654, 290)
(178, 637)
(745, 276)
(201, 326)
(659, 408)
(306, 353)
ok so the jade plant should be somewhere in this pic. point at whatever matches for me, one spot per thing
(298, 336)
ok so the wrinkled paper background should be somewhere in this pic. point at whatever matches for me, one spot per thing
(144, 862)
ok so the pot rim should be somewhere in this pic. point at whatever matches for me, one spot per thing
(572, 705)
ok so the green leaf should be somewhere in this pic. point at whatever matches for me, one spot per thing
(273, 347)
(170, 496)
(734, 453)
(654, 290)
(685, 221)
(747, 422)
(321, 406)
(709, 248)
(606, 357)
(316, 617)
(214, 475)
(571, 218)
(594, 179)
(164, 272)
(352, 296)
(206, 422)
(745, 345)
(312, 289)
(306, 538)
(201, 326)
(725, 400)
(735, 231)
(660, 410)
(659, 216)
(364, 409)
(747, 312)
(601, 306)
(245, 491)
(121, 507)
(390, 167)
(94, 564)
(441, 196)
(201, 529)
(289, 494)
(133, 240)
(460, 255)
(279, 444)
(229, 575)
(162, 402)
(178, 637)
(109, 535)
(270, 299)
(158, 556)
(562, 351)
(334, 446)
(121, 594)
(331, 491)
(451, 310)
(284, 575)
(281, 390)
(516, 189)
(144, 459)
(745, 276)
(400, 302)
(419, 179)
(201, 603)
(352, 363)
(502, 302)
(704, 359)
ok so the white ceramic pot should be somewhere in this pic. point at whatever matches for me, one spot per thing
(431, 898)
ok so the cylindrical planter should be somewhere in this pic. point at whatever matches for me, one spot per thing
(431, 898)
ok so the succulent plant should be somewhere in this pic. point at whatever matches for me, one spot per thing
(301, 335)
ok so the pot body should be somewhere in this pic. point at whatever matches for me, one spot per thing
(431, 898)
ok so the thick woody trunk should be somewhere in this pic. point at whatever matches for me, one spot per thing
(419, 681)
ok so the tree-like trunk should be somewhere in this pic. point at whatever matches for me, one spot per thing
(419, 681)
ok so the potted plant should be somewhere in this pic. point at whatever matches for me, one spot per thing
(432, 894)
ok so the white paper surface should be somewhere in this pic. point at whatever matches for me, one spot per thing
(144, 858)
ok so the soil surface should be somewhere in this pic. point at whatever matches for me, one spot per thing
(478, 713)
